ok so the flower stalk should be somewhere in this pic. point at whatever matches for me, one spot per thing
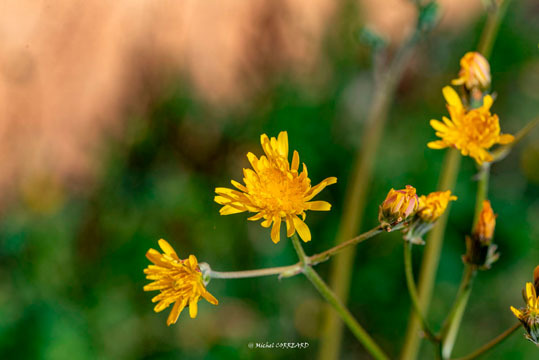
(347, 317)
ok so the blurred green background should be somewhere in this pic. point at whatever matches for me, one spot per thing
(71, 262)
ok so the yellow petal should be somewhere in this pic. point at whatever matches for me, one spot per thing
(167, 249)
(290, 229)
(451, 97)
(275, 230)
(228, 210)
(438, 144)
(319, 205)
(517, 312)
(295, 161)
(487, 102)
(506, 139)
(302, 229)
(210, 298)
(283, 143)
(174, 313)
(193, 307)
(437, 125)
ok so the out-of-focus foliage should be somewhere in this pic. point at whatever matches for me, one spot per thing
(71, 265)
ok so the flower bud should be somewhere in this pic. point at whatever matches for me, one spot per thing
(398, 206)
(484, 229)
(480, 251)
(474, 72)
(536, 278)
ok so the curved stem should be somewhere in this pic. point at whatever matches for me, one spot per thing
(358, 331)
(497, 340)
(413, 292)
(491, 28)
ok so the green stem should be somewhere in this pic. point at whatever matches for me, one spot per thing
(413, 291)
(451, 327)
(323, 256)
(497, 340)
(357, 190)
(292, 270)
(431, 257)
(482, 191)
(491, 28)
(358, 331)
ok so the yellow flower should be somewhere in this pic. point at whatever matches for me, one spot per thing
(484, 229)
(474, 71)
(398, 206)
(275, 190)
(432, 206)
(179, 281)
(529, 316)
(472, 132)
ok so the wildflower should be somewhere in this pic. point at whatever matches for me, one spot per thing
(430, 208)
(398, 206)
(479, 248)
(474, 71)
(472, 132)
(179, 281)
(275, 190)
(529, 316)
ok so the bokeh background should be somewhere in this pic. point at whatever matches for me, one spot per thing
(118, 120)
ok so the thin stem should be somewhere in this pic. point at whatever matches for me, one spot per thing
(323, 256)
(290, 269)
(454, 319)
(497, 340)
(491, 28)
(431, 257)
(413, 292)
(502, 151)
(360, 333)
(482, 190)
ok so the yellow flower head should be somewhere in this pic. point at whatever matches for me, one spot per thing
(432, 206)
(474, 71)
(275, 190)
(398, 205)
(179, 281)
(529, 316)
(472, 132)
(484, 229)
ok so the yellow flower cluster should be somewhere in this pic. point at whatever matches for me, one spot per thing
(473, 132)
(275, 190)
(179, 282)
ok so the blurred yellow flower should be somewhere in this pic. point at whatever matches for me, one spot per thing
(179, 281)
(432, 206)
(275, 190)
(529, 316)
(474, 71)
(398, 206)
(472, 132)
(484, 229)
